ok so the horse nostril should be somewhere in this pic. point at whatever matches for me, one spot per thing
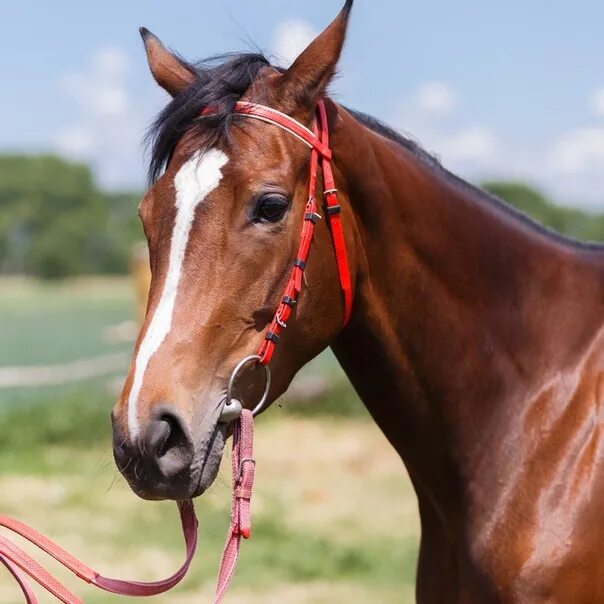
(167, 444)
(156, 438)
(176, 436)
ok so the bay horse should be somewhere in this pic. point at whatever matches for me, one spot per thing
(475, 338)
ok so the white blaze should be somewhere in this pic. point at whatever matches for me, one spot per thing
(193, 183)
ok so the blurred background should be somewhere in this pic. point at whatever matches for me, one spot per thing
(508, 95)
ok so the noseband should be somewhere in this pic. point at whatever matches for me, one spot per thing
(318, 141)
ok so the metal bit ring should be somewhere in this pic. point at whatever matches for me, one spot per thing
(230, 401)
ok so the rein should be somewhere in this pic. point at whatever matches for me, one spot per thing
(23, 567)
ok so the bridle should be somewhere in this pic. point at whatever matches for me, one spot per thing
(21, 565)
(321, 153)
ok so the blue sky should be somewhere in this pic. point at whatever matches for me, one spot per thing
(507, 90)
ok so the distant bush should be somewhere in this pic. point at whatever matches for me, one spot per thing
(55, 223)
(566, 221)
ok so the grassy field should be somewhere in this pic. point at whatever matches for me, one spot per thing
(337, 523)
(45, 323)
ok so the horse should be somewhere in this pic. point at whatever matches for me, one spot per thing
(475, 337)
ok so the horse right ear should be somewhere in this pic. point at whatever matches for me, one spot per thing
(306, 81)
(167, 70)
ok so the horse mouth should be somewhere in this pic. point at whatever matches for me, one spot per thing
(206, 463)
(174, 470)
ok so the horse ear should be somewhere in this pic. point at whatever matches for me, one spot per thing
(306, 81)
(167, 70)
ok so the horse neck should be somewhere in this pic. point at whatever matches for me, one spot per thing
(462, 307)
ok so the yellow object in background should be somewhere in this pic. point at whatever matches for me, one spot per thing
(141, 277)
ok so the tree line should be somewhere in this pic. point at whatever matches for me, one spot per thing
(55, 222)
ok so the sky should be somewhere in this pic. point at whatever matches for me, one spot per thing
(506, 90)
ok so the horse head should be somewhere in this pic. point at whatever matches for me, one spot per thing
(223, 218)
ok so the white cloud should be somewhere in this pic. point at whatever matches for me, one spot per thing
(291, 38)
(100, 95)
(574, 167)
(432, 114)
(436, 98)
(569, 166)
(75, 141)
(106, 129)
(579, 151)
(111, 62)
(469, 144)
(575, 161)
(102, 88)
(598, 102)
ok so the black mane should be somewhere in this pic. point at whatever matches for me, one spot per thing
(220, 82)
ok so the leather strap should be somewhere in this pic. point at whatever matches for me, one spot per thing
(244, 468)
(277, 118)
(334, 212)
(22, 566)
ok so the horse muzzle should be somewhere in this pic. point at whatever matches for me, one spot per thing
(168, 460)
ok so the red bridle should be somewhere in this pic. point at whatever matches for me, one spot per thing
(318, 141)
(21, 564)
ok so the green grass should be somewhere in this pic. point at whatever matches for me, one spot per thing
(64, 448)
(73, 417)
(54, 323)
(57, 472)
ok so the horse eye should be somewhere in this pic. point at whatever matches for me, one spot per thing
(271, 208)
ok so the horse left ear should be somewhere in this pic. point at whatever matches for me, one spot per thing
(166, 69)
(306, 81)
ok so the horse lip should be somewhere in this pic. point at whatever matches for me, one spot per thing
(207, 457)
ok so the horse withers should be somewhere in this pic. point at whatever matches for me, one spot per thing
(475, 337)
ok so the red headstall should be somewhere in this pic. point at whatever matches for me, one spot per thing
(318, 140)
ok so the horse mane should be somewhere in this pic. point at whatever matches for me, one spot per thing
(220, 82)
(478, 193)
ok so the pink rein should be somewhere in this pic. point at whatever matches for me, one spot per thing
(23, 567)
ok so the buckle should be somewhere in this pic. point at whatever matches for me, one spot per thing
(272, 337)
(312, 217)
